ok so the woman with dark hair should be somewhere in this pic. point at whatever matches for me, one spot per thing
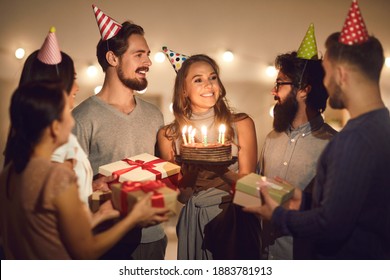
(41, 215)
(36, 70)
(199, 99)
(48, 63)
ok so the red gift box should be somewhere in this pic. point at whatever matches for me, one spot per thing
(125, 195)
(97, 198)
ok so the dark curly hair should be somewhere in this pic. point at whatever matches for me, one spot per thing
(304, 72)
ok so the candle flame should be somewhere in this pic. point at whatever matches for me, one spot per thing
(204, 130)
(221, 136)
(184, 135)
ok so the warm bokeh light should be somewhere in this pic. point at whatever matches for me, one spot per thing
(97, 89)
(171, 107)
(271, 71)
(19, 53)
(271, 110)
(159, 57)
(142, 91)
(228, 56)
(387, 62)
(92, 71)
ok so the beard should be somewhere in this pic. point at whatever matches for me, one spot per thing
(284, 113)
(133, 84)
(335, 100)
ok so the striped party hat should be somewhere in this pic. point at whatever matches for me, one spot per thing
(354, 30)
(50, 52)
(107, 26)
(176, 59)
(308, 47)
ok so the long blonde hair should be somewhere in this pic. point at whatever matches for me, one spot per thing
(182, 104)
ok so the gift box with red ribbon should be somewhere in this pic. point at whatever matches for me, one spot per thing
(97, 198)
(125, 195)
(143, 167)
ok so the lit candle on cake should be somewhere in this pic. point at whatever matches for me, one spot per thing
(184, 130)
(221, 136)
(189, 134)
(193, 132)
(204, 135)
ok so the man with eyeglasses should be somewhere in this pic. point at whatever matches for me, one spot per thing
(350, 215)
(300, 134)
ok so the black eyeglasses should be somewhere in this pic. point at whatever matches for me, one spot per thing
(278, 84)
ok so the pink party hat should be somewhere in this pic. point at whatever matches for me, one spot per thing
(107, 26)
(175, 58)
(50, 52)
(354, 30)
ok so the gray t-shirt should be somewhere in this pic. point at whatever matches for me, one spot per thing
(107, 135)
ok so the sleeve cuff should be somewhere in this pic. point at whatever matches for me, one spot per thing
(279, 220)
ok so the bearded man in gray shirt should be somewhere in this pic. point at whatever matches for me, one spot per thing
(115, 124)
(300, 134)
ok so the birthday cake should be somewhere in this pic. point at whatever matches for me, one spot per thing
(213, 152)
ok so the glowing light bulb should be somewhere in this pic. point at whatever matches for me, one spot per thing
(271, 111)
(228, 56)
(19, 53)
(92, 71)
(142, 91)
(159, 57)
(271, 71)
(97, 89)
(387, 62)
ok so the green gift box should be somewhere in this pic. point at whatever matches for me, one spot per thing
(247, 193)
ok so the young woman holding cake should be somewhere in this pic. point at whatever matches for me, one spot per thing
(209, 226)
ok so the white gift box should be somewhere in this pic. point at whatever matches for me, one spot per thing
(140, 168)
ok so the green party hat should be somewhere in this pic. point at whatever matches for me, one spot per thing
(308, 47)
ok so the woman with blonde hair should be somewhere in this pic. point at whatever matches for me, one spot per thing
(199, 99)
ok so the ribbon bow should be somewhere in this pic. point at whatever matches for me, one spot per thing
(140, 164)
(146, 187)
